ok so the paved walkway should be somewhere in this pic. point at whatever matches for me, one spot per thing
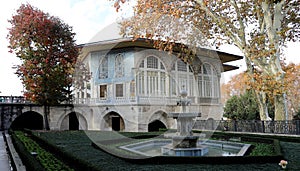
(4, 161)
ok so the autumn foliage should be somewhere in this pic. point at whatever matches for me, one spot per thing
(292, 80)
(259, 28)
(241, 83)
(48, 53)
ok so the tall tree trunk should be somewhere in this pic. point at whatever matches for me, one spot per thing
(279, 98)
(262, 105)
(279, 103)
(46, 114)
(261, 96)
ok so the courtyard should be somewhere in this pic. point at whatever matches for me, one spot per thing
(75, 148)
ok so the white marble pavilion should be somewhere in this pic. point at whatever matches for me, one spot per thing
(134, 86)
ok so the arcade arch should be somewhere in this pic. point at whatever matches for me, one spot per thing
(30, 120)
(74, 121)
(156, 125)
(158, 120)
(112, 121)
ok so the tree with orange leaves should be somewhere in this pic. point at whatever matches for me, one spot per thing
(47, 48)
(237, 85)
(240, 83)
(259, 28)
(292, 79)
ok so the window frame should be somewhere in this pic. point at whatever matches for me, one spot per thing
(119, 90)
(119, 65)
(103, 68)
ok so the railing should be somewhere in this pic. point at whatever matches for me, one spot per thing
(208, 100)
(145, 100)
(157, 100)
(276, 127)
(98, 101)
(123, 101)
(12, 99)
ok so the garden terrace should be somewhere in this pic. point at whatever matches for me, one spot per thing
(75, 147)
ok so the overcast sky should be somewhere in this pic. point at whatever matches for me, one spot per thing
(88, 18)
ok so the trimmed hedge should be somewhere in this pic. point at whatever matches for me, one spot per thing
(29, 160)
(42, 160)
(77, 162)
(78, 145)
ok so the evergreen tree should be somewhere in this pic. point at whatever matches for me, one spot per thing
(243, 107)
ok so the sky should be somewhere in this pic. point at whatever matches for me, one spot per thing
(88, 18)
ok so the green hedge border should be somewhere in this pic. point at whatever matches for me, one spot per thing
(77, 163)
(29, 160)
(81, 164)
(44, 160)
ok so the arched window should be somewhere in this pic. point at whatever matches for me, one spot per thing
(208, 82)
(182, 77)
(119, 65)
(181, 66)
(152, 62)
(151, 80)
(103, 68)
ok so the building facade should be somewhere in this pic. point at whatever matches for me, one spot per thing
(134, 86)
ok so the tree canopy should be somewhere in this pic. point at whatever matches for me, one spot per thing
(259, 28)
(240, 84)
(292, 79)
(242, 107)
(47, 49)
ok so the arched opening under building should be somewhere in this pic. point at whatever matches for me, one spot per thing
(154, 126)
(29, 120)
(74, 121)
(113, 121)
(158, 120)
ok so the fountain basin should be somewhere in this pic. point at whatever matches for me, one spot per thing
(187, 141)
(169, 150)
(163, 147)
(184, 141)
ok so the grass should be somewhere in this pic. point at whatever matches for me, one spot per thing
(262, 149)
(77, 145)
